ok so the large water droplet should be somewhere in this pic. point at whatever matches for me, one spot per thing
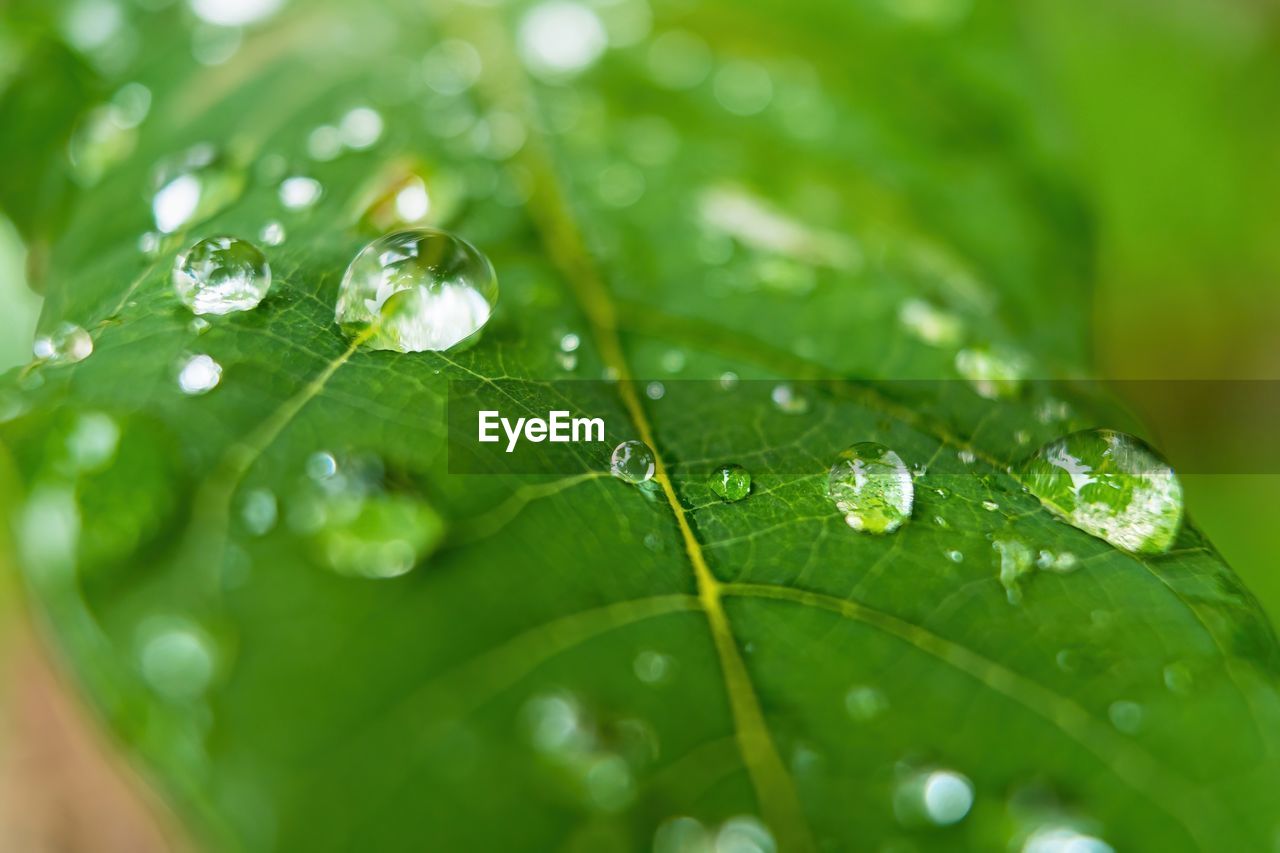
(220, 275)
(730, 482)
(192, 187)
(871, 487)
(1109, 485)
(417, 290)
(66, 344)
(633, 462)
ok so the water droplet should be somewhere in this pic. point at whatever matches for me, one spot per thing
(679, 60)
(234, 13)
(570, 343)
(324, 143)
(199, 374)
(871, 487)
(1062, 563)
(560, 38)
(176, 658)
(1111, 486)
(1015, 564)
(199, 325)
(1063, 839)
(299, 192)
(937, 797)
(1178, 678)
(360, 128)
(788, 400)
(730, 482)
(990, 506)
(258, 511)
(955, 556)
(728, 380)
(655, 390)
(966, 456)
(149, 243)
(929, 323)
(377, 535)
(66, 344)
(633, 462)
(993, 372)
(609, 782)
(92, 442)
(742, 87)
(682, 835)
(192, 187)
(221, 275)
(651, 667)
(452, 67)
(1126, 716)
(273, 233)
(744, 834)
(419, 289)
(865, 703)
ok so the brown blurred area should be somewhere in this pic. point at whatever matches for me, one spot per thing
(62, 787)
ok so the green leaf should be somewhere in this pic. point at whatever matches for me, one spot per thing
(584, 658)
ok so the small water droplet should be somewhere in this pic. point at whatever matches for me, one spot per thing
(149, 244)
(929, 323)
(299, 192)
(955, 556)
(176, 658)
(1015, 564)
(1063, 839)
(1178, 678)
(192, 187)
(221, 275)
(744, 834)
(933, 797)
(273, 233)
(570, 343)
(966, 456)
(360, 128)
(788, 400)
(258, 511)
(864, 703)
(682, 835)
(652, 667)
(1111, 486)
(990, 506)
(871, 487)
(655, 390)
(632, 462)
(66, 344)
(199, 374)
(418, 290)
(1062, 563)
(993, 372)
(199, 325)
(92, 442)
(730, 482)
(728, 380)
(559, 38)
(1126, 716)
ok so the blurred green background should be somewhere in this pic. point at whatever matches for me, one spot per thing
(1170, 117)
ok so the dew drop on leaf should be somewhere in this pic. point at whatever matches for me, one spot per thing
(933, 797)
(1126, 716)
(1110, 485)
(730, 482)
(788, 400)
(864, 703)
(176, 658)
(1015, 563)
(871, 487)
(632, 462)
(221, 275)
(67, 343)
(199, 374)
(416, 290)
(273, 233)
(193, 186)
